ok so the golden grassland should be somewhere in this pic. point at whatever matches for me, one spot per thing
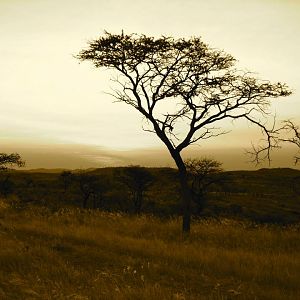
(76, 254)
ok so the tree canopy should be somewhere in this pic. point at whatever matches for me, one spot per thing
(201, 82)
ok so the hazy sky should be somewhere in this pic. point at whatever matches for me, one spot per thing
(50, 101)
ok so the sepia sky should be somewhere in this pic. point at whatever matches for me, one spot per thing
(56, 113)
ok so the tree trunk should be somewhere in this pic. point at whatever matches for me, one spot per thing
(85, 200)
(94, 201)
(138, 198)
(186, 202)
(186, 194)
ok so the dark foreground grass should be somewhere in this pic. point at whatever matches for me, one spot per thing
(75, 254)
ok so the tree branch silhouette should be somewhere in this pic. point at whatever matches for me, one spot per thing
(185, 89)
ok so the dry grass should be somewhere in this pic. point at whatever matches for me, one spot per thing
(76, 254)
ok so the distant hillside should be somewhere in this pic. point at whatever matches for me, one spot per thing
(57, 170)
(42, 170)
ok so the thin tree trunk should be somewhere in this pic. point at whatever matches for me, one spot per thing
(85, 200)
(94, 202)
(137, 202)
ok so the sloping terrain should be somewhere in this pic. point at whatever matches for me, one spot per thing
(87, 254)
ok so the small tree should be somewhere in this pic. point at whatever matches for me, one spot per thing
(100, 187)
(66, 178)
(203, 173)
(184, 89)
(138, 180)
(87, 185)
(292, 136)
(6, 161)
(92, 188)
(292, 132)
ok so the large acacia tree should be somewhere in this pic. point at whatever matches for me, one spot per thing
(184, 89)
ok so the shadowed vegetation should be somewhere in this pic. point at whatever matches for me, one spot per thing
(265, 196)
(138, 180)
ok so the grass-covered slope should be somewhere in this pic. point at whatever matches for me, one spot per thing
(75, 254)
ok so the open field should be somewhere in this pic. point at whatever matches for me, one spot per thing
(77, 254)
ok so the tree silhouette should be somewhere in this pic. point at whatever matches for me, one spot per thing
(66, 177)
(138, 180)
(6, 160)
(13, 159)
(184, 89)
(91, 187)
(292, 136)
(203, 173)
(99, 189)
(87, 185)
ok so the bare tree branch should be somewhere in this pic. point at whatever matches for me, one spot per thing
(292, 136)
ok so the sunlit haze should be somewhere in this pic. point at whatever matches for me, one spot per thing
(57, 113)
